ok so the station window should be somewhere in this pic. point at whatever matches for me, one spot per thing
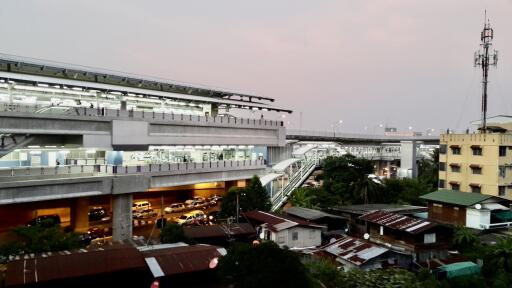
(455, 150)
(503, 151)
(442, 166)
(441, 183)
(476, 170)
(501, 190)
(477, 150)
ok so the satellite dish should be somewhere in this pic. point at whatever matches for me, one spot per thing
(366, 236)
(478, 206)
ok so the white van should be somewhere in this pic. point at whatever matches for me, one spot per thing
(191, 217)
(141, 206)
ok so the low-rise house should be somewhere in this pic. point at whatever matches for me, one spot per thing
(473, 210)
(419, 238)
(353, 212)
(286, 230)
(353, 253)
(332, 222)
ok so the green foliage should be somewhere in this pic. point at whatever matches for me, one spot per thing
(428, 171)
(38, 239)
(173, 233)
(404, 191)
(465, 240)
(304, 197)
(252, 197)
(263, 265)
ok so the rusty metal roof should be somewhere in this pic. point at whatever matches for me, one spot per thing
(179, 260)
(70, 264)
(211, 231)
(398, 222)
(354, 250)
(277, 222)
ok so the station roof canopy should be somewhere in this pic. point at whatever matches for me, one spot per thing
(461, 198)
(50, 72)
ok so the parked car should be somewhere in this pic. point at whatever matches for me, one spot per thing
(97, 232)
(190, 218)
(45, 221)
(175, 207)
(189, 203)
(144, 214)
(97, 214)
(215, 199)
(141, 206)
(84, 239)
(198, 198)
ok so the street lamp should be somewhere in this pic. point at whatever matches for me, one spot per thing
(334, 125)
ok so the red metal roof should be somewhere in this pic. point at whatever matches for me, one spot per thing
(398, 222)
(218, 230)
(178, 260)
(354, 250)
(65, 264)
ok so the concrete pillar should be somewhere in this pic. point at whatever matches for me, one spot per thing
(388, 171)
(230, 184)
(79, 214)
(122, 217)
(408, 167)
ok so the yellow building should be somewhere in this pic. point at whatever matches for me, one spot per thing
(478, 162)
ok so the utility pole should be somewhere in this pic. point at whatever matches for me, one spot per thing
(484, 60)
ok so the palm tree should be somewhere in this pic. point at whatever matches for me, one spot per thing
(503, 254)
(365, 189)
(302, 197)
(464, 238)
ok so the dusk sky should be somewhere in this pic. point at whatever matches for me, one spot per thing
(400, 63)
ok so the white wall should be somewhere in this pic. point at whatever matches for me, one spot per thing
(475, 217)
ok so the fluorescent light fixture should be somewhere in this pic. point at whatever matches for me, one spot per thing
(35, 152)
(50, 146)
(33, 146)
(64, 151)
(90, 151)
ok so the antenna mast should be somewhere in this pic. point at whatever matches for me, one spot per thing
(483, 59)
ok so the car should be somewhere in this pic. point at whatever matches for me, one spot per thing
(97, 232)
(199, 198)
(191, 218)
(141, 206)
(84, 239)
(144, 214)
(189, 203)
(46, 221)
(97, 214)
(215, 199)
(175, 207)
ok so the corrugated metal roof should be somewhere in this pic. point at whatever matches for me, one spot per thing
(354, 250)
(71, 264)
(278, 222)
(310, 214)
(179, 260)
(365, 208)
(398, 222)
(218, 230)
(458, 198)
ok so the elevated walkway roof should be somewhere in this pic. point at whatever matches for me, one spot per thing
(281, 166)
(265, 179)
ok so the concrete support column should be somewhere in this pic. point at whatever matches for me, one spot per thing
(230, 184)
(79, 214)
(388, 171)
(408, 167)
(122, 217)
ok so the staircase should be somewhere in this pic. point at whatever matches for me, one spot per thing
(9, 142)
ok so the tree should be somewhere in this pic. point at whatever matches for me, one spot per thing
(173, 233)
(465, 240)
(404, 191)
(263, 265)
(303, 197)
(252, 197)
(428, 171)
(502, 253)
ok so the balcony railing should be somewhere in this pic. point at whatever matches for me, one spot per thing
(9, 174)
(132, 114)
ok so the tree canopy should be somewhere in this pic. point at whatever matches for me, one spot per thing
(252, 197)
(172, 233)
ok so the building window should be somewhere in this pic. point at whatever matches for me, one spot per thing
(502, 190)
(455, 186)
(476, 189)
(429, 238)
(381, 231)
(267, 235)
(455, 150)
(477, 150)
(476, 170)
(441, 183)
(442, 149)
(295, 236)
(502, 172)
(455, 168)
(442, 166)
(503, 151)
(280, 239)
(437, 208)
